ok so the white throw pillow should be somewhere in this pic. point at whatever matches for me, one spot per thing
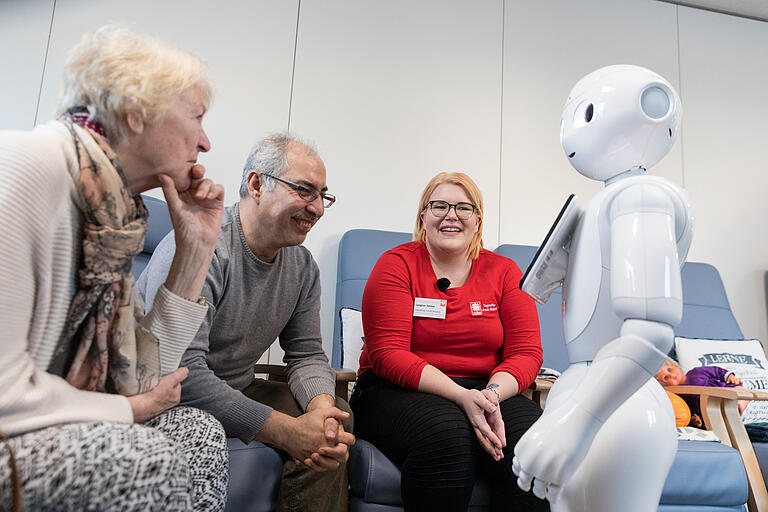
(745, 358)
(352, 338)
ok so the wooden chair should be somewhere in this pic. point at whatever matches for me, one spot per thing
(276, 372)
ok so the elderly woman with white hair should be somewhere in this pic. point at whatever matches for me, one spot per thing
(87, 380)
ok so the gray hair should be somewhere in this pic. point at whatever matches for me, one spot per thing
(114, 71)
(269, 156)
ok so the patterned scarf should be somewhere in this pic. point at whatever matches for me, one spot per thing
(99, 349)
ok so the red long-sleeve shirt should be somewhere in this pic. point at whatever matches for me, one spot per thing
(490, 325)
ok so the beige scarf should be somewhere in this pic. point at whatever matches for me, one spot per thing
(100, 349)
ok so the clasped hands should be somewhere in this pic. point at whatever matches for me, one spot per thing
(316, 439)
(322, 443)
(484, 413)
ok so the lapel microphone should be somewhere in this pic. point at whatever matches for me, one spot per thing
(443, 284)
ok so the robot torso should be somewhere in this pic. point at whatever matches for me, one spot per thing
(592, 315)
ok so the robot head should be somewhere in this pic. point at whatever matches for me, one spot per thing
(619, 118)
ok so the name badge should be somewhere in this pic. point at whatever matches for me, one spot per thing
(429, 308)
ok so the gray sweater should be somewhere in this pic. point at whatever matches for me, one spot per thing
(250, 304)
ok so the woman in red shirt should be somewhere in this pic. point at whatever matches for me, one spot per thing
(451, 341)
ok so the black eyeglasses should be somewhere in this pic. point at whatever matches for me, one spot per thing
(441, 208)
(306, 193)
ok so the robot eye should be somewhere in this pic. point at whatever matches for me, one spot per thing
(655, 102)
(584, 114)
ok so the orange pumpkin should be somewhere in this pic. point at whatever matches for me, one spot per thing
(682, 411)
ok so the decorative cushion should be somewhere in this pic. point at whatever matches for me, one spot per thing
(352, 337)
(745, 358)
(352, 340)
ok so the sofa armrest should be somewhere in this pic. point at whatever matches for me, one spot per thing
(726, 393)
(757, 395)
(343, 377)
(538, 391)
(276, 372)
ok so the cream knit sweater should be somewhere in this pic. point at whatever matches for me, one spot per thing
(39, 236)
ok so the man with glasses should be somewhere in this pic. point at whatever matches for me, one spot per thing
(263, 285)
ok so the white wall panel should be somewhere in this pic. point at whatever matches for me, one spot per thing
(248, 45)
(548, 47)
(724, 74)
(393, 92)
(24, 30)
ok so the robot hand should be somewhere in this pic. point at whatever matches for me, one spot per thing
(553, 448)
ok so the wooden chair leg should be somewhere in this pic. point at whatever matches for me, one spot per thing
(711, 410)
(758, 496)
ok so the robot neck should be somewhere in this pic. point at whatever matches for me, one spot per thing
(635, 171)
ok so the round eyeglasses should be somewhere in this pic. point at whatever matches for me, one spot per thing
(441, 208)
(308, 194)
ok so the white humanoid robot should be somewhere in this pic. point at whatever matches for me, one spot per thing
(607, 437)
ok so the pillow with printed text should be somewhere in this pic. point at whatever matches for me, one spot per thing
(745, 358)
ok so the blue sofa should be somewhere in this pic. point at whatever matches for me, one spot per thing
(705, 477)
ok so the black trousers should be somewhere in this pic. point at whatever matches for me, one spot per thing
(433, 443)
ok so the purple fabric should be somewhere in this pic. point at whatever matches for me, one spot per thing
(712, 376)
(708, 376)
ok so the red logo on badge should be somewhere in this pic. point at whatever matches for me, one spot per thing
(476, 308)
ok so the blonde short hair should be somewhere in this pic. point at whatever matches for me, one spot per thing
(114, 71)
(473, 192)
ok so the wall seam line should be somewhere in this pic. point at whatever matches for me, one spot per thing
(680, 81)
(501, 119)
(45, 64)
(293, 65)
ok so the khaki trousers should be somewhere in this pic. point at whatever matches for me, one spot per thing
(303, 489)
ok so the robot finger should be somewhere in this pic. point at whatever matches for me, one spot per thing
(540, 488)
(524, 480)
(554, 492)
(516, 466)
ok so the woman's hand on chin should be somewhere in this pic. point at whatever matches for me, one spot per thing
(195, 212)
(196, 218)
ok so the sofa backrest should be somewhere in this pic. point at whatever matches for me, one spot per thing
(706, 311)
(359, 250)
(159, 226)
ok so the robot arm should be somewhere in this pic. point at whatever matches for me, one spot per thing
(645, 269)
(646, 291)
(551, 451)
